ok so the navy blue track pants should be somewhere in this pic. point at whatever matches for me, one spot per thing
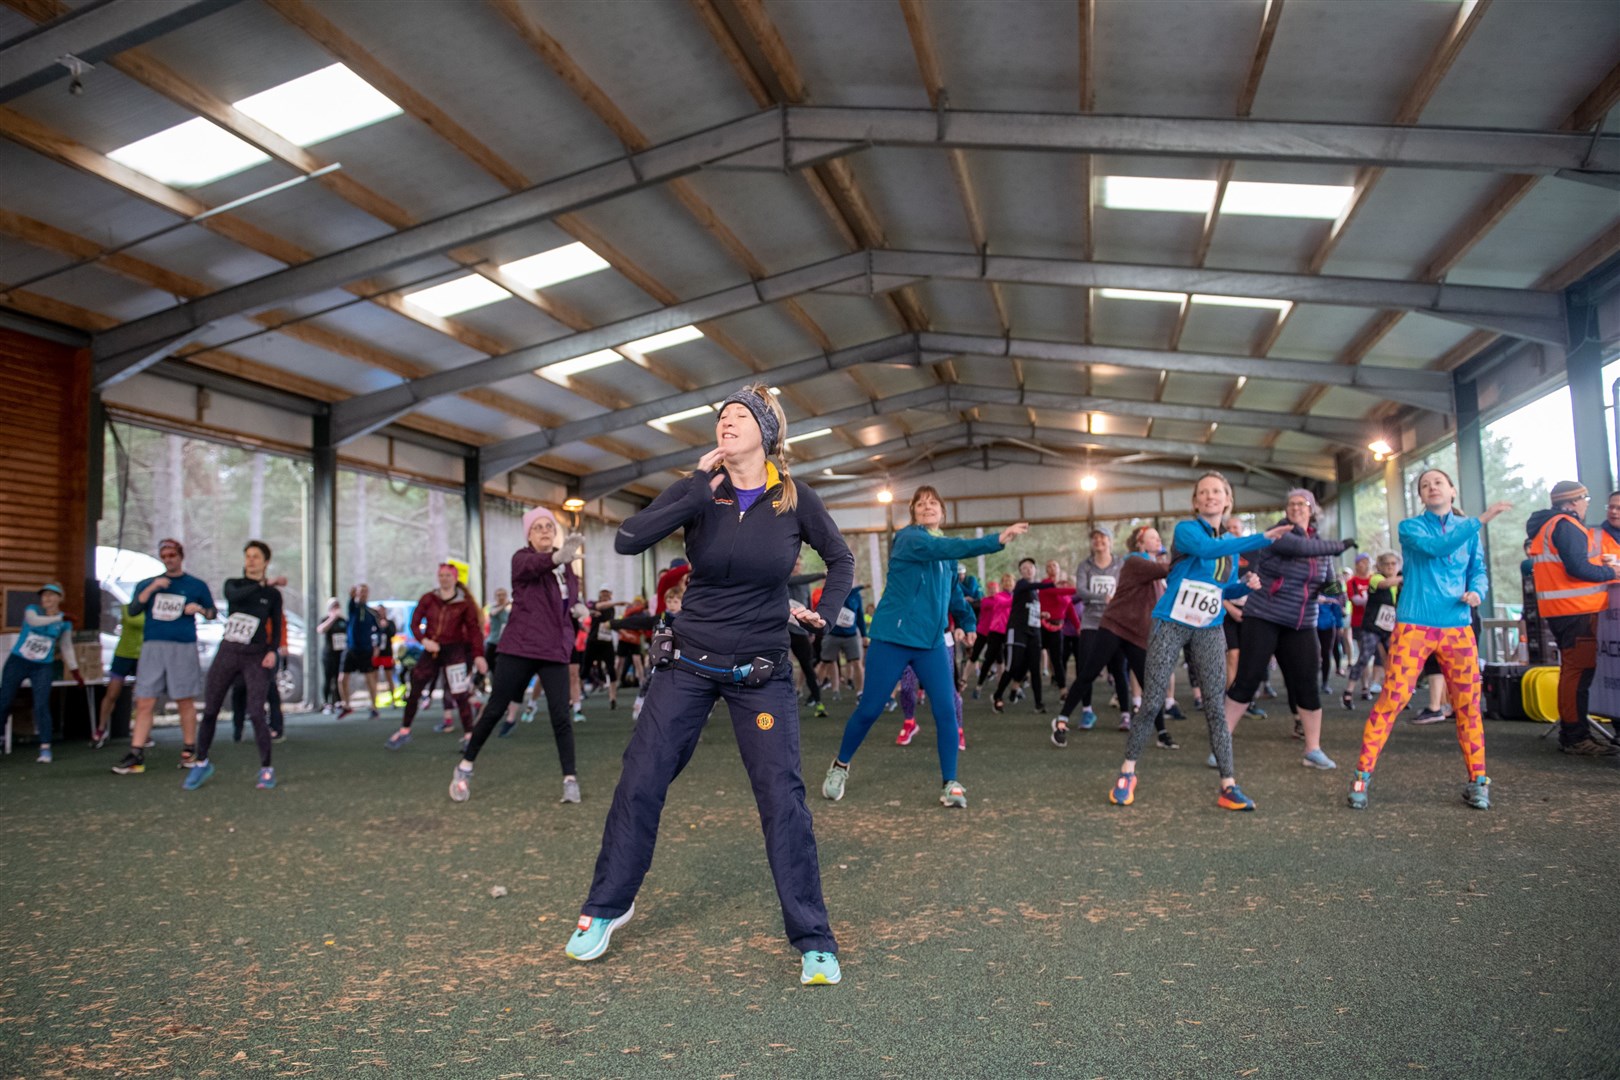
(766, 722)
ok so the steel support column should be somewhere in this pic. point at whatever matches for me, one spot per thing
(1471, 493)
(322, 547)
(472, 498)
(1587, 397)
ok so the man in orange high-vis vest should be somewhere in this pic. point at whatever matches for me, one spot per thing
(1572, 576)
(1609, 531)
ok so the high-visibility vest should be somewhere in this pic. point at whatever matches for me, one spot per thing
(1557, 591)
(1611, 546)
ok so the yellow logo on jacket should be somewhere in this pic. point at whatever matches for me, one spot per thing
(765, 721)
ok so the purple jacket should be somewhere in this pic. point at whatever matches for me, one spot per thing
(1292, 572)
(539, 628)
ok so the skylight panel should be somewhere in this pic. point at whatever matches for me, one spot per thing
(1158, 193)
(1242, 301)
(663, 422)
(588, 362)
(319, 106)
(456, 296)
(666, 339)
(557, 265)
(1325, 201)
(1142, 294)
(190, 154)
(809, 435)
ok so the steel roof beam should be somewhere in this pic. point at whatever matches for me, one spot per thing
(1303, 464)
(800, 135)
(91, 33)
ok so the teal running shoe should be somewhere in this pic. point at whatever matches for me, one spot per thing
(197, 776)
(1478, 793)
(820, 969)
(833, 787)
(954, 794)
(1358, 790)
(1315, 759)
(590, 938)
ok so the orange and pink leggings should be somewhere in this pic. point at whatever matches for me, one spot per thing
(1409, 647)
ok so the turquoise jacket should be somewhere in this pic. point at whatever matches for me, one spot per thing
(916, 599)
(1442, 560)
(1199, 553)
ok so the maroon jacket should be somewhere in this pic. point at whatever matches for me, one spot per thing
(539, 628)
(1129, 615)
(449, 622)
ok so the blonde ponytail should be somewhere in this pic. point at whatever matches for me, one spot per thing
(778, 455)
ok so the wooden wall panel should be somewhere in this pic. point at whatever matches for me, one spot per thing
(44, 423)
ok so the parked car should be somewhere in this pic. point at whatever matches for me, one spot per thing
(119, 570)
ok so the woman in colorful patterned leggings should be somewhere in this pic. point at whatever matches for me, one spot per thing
(1444, 577)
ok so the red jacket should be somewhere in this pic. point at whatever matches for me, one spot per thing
(1053, 601)
(448, 622)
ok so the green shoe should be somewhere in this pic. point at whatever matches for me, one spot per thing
(833, 787)
(820, 969)
(1358, 790)
(954, 794)
(1478, 793)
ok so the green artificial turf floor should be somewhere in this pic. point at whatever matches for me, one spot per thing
(343, 924)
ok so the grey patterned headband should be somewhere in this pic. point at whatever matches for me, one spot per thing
(769, 430)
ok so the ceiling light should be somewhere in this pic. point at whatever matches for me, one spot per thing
(1088, 483)
(1158, 193)
(557, 265)
(1380, 449)
(319, 106)
(574, 504)
(191, 154)
(458, 295)
(885, 496)
(1325, 201)
(574, 366)
(666, 339)
(1143, 294)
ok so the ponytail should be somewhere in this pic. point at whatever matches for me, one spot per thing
(790, 491)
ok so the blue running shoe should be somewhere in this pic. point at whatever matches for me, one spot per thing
(1478, 793)
(1358, 790)
(590, 939)
(197, 776)
(820, 969)
(267, 779)
(1173, 711)
(398, 739)
(1232, 798)
(1088, 719)
(1315, 759)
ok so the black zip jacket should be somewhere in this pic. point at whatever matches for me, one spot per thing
(737, 598)
(248, 597)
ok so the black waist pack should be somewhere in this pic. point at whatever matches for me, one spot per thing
(725, 669)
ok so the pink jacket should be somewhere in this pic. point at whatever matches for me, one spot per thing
(994, 611)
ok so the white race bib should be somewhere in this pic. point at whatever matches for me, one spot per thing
(845, 620)
(240, 628)
(36, 648)
(1105, 586)
(604, 631)
(456, 676)
(1034, 616)
(1197, 604)
(1386, 618)
(949, 642)
(168, 606)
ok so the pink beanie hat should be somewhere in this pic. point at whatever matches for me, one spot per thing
(535, 515)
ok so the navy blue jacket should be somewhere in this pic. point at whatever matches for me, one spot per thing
(736, 600)
(1292, 571)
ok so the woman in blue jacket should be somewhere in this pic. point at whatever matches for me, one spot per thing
(1203, 573)
(909, 629)
(745, 521)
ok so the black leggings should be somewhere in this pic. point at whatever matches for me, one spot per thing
(807, 663)
(506, 685)
(1023, 660)
(1328, 641)
(331, 666)
(1052, 645)
(1071, 649)
(1296, 652)
(995, 651)
(1100, 651)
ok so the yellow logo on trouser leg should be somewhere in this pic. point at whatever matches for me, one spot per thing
(765, 721)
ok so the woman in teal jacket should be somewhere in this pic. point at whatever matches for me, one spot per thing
(908, 630)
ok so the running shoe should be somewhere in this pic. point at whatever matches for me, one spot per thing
(398, 739)
(1232, 798)
(891, 705)
(1211, 762)
(132, 763)
(1266, 691)
(198, 776)
(1168, 742)
(1428, 716)
(466, 741)
(506, 728)
(44, 756)
(1374, 690)
(446, 726)
(961, 737)
(953, 794)
(1348, 701)
(99, 739)
(188, 756)
(1477, 793)
(1590, 747)
(1018, 694)
(579, 716)
(819, 969)
(821, 710)
(375, 715)
(1315, 759)
(998, 706)
(1123, 793)
(590, 938)
(1088, 719)
(1060, 731)
(833, 786)
(1299, 728)
(345, 711)
(1327, 687)
(267, 779)
(1358, 790)
(613, 703)
(1124, 721)
(570, 789)
(461, 784)
(150, 744)
(1173, 711)
(908, 731)
(1254, 712)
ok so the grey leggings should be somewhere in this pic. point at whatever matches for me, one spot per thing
(1165, 643)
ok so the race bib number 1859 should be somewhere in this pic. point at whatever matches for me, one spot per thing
(36, 647)
(1197, 604)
